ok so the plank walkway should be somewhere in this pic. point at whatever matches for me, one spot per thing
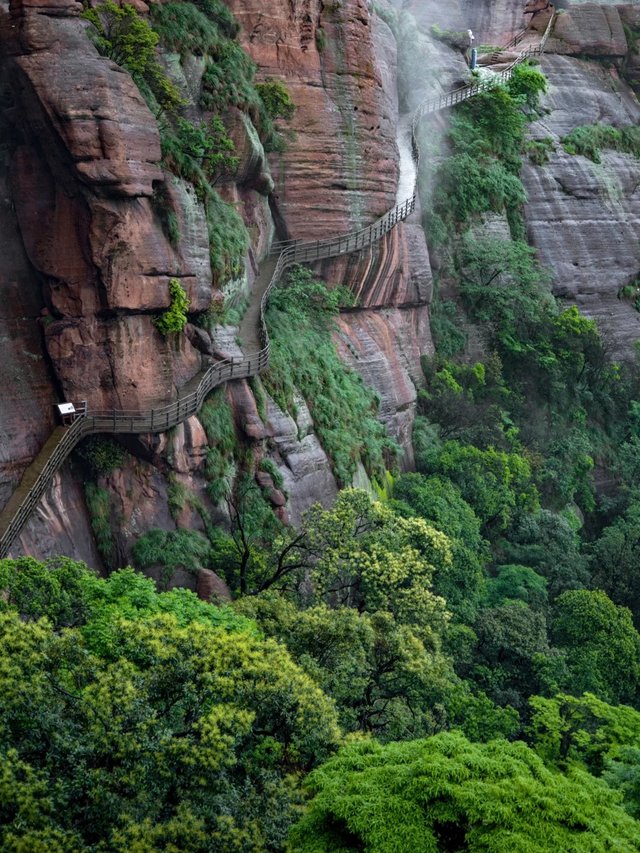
(253, 331)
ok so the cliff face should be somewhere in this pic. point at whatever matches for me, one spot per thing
(340, 168)
(90, 257)
(82, 183)
(87, 262)
(584, 217)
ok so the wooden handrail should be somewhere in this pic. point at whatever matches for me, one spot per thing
(117, 421)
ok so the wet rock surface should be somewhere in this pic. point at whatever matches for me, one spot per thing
(339, 168)
(583, 217)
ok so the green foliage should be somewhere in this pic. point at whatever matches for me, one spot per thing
(172, 549)
(383, 677)
(259, 395)
(457, 39)
(486, 139)
(187, 29)
(216, 416)
(496, 484)
(122, 35)
(446, 793)
(178, 497)
(448, 338)
(357, 554)
(438, 501)
(512, 638)
(228, 238)
(204, 153)
(615, 557)
(70, 595)
(270, 467)
(517, 583)
(469, 403)
(526, 84)
(503, 288)
(467, 186)
(601, 646)
(276, 99)
(147, 741)
(539, 150)
(549, 545)
(99, 506)
(102, 454)
(208, 29)
(300, 319)
(174, 319)
(199, 152)
(589, 140)
(58, 589)
(567, 729)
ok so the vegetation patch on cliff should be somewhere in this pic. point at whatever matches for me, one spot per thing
(591, 139)
(304, 359)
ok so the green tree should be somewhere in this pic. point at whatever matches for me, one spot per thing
(385, 678)
(174, 319)
(601, 646)
(517, 583)
(439, 502)
(497, 485)
(615, 557)
(503, 288)
(459, 581)
(276, 99)
(511, 636)
(546, 542)
(446, 793)
(584, 729)
(139, 733)
(124, 36)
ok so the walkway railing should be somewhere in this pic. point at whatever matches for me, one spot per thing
(457, 96)
(39, 474)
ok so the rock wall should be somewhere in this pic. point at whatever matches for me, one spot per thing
(339, 169)
(26, 417)
(584, 218)
(84, 164)
(85, 168)
(339, 172)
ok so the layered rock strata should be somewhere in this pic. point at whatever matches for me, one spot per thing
(339, 169)
(583, 217)
(83, 179)
(88, 168)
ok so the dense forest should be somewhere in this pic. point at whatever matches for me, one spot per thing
(447, 660)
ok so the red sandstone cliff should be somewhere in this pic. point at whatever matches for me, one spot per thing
(92, 253)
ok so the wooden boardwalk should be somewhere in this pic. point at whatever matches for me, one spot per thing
(253, 333)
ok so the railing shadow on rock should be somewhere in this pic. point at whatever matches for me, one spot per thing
(40, 473)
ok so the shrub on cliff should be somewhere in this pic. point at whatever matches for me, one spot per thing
(300, 319)
(121, 34)
(590, 140)
(174, 319)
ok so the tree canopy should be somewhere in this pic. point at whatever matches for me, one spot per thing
(446, 793)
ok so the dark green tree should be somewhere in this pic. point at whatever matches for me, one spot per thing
(601, 646)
